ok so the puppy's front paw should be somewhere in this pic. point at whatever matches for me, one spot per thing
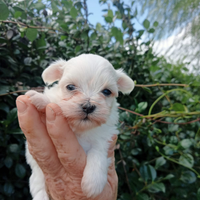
(41, 195)
(92, 184)
(39, 100)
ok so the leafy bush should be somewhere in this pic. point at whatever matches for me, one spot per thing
(157, 155)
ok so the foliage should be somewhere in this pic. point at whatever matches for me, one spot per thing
(157, 155)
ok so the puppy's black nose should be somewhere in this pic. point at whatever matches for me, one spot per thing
(88, 108)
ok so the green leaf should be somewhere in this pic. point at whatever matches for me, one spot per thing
(31, 34)
(186, 143)
(27, 61)
(17, 14)
(188, 177)
(140, 33)
(4, 106)
(173, 128)
(68, 4)
(159, 162)
(126, 196)
(147, 90)
(39, 6)
(20, 171)
(187, 160)
(109, 16)
(12, 115)
(41, 43)
(142, 106)
(15, 131)
(198, 194)
(8, 162)
(124, 137)
(73, 12)
(144, 172)
(62, 44)
(4, 12)
(93, 36)
(117, 33)
(17, 9)
(124, 25)
(98, 26)
(157, 148)
(14, 148)
(156, 187)
(173, 140)
(142, 196)
(155, 24)
(197, 136)
(77, 49)
(151, 30)
(108, 19)
(169, 176)
(135, 151)
(178, 107)
(8, 189)
(146, 23)
(195, 83)
(152, 172)
(4, 89)
(148, 172)
(54, 7)
(63, 37)
(168, 150)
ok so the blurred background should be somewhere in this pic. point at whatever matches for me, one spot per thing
(155, 42)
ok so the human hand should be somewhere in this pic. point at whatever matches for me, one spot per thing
(55, 148)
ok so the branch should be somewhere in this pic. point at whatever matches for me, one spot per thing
(163, 84)
(153, 85)
(41, 89)
(86, 11)
(181, 123)
(159, 121)
(39, 27)
(130, 111)
(23, 91)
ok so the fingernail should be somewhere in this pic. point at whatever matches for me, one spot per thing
(50, 114)
(114, 138)
(21, 106)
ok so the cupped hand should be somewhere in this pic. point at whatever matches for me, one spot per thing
(55, 148)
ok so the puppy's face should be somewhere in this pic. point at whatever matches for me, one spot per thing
(88, 87)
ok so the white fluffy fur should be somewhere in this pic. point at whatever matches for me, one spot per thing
(91, 74)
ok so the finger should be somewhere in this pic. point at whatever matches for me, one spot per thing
(70, 153)
(112, 146)
(40, 144)
(111, 155)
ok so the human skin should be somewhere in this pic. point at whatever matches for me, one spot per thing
(54, 146)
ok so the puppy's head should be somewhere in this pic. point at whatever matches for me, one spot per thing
(88, 86)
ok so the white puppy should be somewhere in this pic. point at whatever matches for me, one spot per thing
(86, 92)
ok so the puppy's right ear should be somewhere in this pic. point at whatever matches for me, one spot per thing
(54, 72)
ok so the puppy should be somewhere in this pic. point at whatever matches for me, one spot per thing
(86, 93)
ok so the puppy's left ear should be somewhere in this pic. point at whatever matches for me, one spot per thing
(54, 72)
(125, 83)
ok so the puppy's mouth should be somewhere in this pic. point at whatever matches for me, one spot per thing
(86, 118)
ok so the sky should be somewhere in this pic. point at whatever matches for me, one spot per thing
(97, 16)
(161, 46)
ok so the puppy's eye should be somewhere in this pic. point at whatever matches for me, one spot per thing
(106, 92)
(71, 87)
